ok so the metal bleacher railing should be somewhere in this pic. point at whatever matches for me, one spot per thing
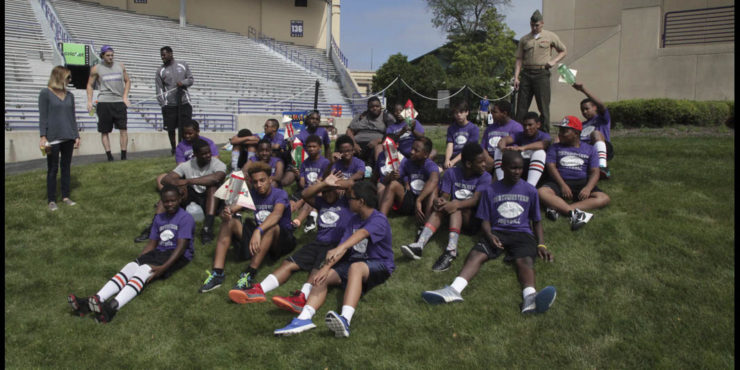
(311, 64)
(342, 58)
(266, 106)
(699, 26)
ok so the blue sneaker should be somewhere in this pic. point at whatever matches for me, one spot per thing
(338, 324)
(296, 326)
(544, 299)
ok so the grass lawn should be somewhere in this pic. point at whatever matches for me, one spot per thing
(648, 283)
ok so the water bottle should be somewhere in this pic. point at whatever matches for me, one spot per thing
(566, 74)
(368, 172)
(195, 211)
(94, 108)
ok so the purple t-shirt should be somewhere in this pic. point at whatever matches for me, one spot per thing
(273, 163)
(415, 175)
(320, 132)
(460, 188)
(406, 140)
(311, 171)
(265, 205)
(332, 219)
(459, 136)
(521, 139)
(509, 208)
(277, 138)
(599, 123)
(377, 246)
(184, 150)
(167, 230)
(573, 163)
(347, 171)
(495, 132)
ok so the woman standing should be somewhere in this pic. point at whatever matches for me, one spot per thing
(59, 135)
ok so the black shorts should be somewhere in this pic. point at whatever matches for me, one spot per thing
(158, 258)
(408, 205)
(575, 187)
(609, 151)
(473, 226)
(200, 199)
(169, 115)
(110, 114)
(285, 244)
(311, 255)
(516, 245)
(378, 273)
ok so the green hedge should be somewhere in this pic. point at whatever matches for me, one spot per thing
(669, 112)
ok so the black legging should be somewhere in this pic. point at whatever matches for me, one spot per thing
(52, 161)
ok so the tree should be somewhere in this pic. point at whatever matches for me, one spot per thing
(461, 18)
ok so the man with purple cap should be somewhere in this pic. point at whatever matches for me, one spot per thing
(112, 102)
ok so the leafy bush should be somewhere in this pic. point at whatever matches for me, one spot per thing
(669, 112)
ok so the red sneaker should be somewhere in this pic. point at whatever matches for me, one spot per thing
(292, 303)
(254, 294)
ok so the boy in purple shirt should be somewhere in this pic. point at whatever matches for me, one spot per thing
(401, 133)
(459, 133)
(352, 168)
(264, 154)
(362, 260)
(459, 190)
(573, 167)
(170, 248)
(507, 208)
(332, 220)
(531, 143)
(419, 177)
(270, 231)
(313, 169)
(596, 128)
(503, 126)
(184, 150)
(312, 128)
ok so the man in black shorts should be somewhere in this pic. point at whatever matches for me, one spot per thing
(172, 81)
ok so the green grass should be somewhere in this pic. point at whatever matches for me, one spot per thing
(648, 283)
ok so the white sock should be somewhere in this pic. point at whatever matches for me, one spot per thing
(307, 313)
(527, 291)
(536, 166)
(269, 283)
(497, 155)
(601, 150)
(347, 312)
(306, 289)
(313, 214)
(459, 284)
(134, 285)
(235, 160)
(117, 282)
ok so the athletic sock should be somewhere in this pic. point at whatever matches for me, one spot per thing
(307, 313)
(269, 283)
(347, 312)
(123, 155)
(536, 166)
(109, 155)
(208, 222)
(601, 150)
(117, 282)
(134, 285)
(219, 272)
(497, 155)
(527, 291)
(426, 234)
(306, 289)
(459, 284)
(452, 245)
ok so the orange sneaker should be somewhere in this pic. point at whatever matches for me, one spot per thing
(292, 303)
(254, 294)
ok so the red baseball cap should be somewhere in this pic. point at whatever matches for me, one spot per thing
(572, 122)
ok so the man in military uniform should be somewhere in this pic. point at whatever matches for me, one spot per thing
(533, 61)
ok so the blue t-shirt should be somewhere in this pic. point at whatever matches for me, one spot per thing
(509, 208)
(573, 163)
(484, 105)
(459, 187)
(406, 140)
(417, 176)
(598, 123)
(332, 219)
(377, 246)
(265, 205)
(312, 171)
(460, 135)
(495, 132)
(167, 230)
(347, 171)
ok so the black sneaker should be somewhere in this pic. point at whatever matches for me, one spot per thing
(212, 282)
(144, 236)
(552, 214)
(443, 262)
(579, 218)
(79, 305)
(245, 281)
(412, 250)
(107, 311)
(206, 235)
(310, 224)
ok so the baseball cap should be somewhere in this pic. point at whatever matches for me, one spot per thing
(105, 48)
(572, 122)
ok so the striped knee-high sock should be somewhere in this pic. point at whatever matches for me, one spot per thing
(536, 166)
(497, 155)
(134, 285)
(452, 244)
(601, 150)
(117, 282)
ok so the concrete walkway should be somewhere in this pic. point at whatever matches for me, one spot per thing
(21, 167)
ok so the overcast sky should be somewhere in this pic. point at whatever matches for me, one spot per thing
(388, 27)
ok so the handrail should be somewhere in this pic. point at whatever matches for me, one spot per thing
(699, 26)
(269, 106)
(283, 49)
(336, 48)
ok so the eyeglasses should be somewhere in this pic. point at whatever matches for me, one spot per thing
(69, 78)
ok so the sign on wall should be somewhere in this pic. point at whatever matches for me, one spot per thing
(296, 28)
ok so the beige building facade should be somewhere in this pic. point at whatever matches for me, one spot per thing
(616, 47)
(363, 80)
(272, 18)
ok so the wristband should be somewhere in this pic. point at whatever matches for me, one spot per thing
(542, 245)
(261, 231)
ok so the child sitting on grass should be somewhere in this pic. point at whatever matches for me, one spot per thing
(503, 126)
(460, 132)
(264, 155)
(596, 128)
(531, 143)
(313, 169)
(352, 168)
(244, 147)
(507, 208)
(362, 260)
(170, 248)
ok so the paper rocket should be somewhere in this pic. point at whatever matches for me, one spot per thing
(409, 113)
(235, 191)
(298, 153)
(391, 153)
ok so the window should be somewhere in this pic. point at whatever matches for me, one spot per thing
(139, 1)
(301, 3)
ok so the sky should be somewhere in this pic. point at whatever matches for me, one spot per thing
(388, 27)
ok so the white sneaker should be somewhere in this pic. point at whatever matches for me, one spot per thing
(579, 218)
(444, 295)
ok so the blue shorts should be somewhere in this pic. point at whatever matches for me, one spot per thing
(378, 273)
